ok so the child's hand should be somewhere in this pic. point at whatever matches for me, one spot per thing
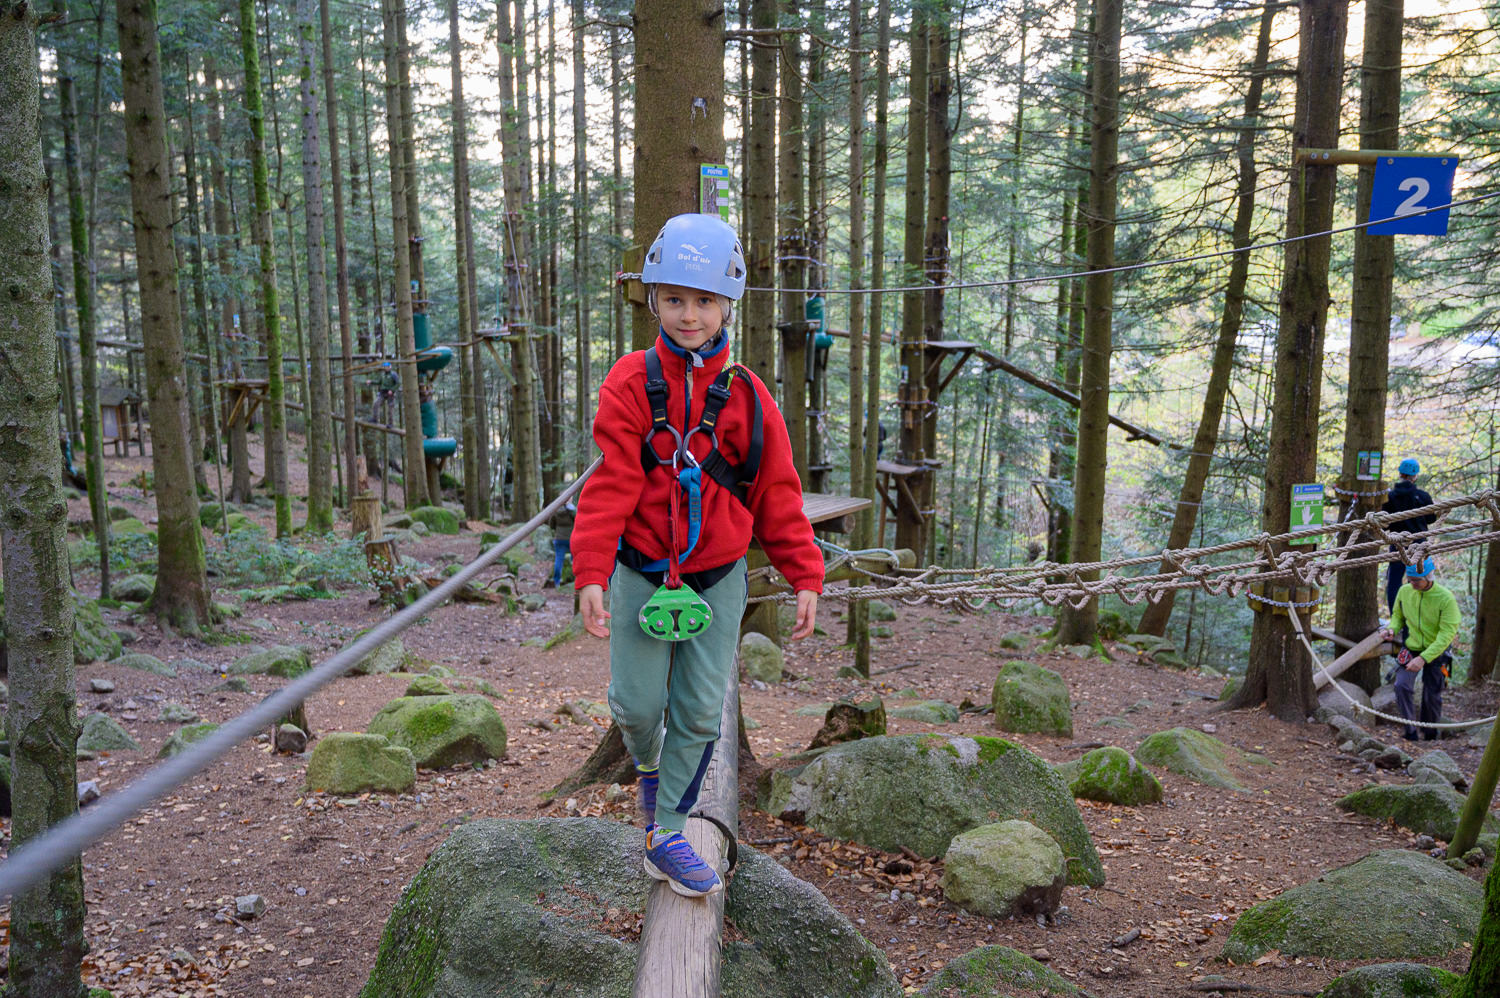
(807, 614)
(591, 608)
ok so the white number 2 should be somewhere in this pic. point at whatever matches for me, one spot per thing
(1419, 187)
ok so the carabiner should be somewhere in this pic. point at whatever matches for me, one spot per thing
(687, 452)
(676, 449)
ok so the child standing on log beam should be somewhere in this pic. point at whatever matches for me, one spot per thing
(696, 460)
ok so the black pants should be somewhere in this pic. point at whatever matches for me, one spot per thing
(1433, 681)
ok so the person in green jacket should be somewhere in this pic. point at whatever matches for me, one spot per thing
(1429, 613)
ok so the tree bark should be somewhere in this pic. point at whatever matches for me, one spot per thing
(1483, 977)
(1079, 625)
(792, 246)
(1279, 673)
(1185, 518)
(1361, 591)
(46, 923)
(461, 247)
(320, 452)
(758, 321)
(583, 383)
(935, 251)
(270, 301)
(83, 303)
(414, 473)
(340, 248)
(1486, 654)
(526, 444)
(858, 616)
(229, 308)
(911, 523)
(181, 598)
(617, 193)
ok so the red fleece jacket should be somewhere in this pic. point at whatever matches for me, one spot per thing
(623, 500)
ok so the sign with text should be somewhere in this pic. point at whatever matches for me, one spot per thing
(1367, 466)
(1405, 186)
(713, 190)
(1307, 507)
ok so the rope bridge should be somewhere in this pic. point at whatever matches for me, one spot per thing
(1265, 558)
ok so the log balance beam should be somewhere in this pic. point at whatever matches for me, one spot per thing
(1371, 646)
(682, 937)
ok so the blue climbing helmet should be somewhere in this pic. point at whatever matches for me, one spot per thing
(697, 251)
(1409, 466)
(1420, 571)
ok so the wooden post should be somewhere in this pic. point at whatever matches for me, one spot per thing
(681, 939)
(1359, 652)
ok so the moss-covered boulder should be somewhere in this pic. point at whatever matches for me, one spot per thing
(236, 522)
(996, 970)
(1365, 911)
(1437, 766)
(1111, 775)
(1427, 808)
(760, 658)
(427, 686)
(102, 733)
(927, 711)
(348, 762)
(172, 712)
(863, 790)
(1004, 868)
(854, 715)
(1393, 980)
(285, 661)
(443, 730)
(389, 657)
(133, 588)
(183, 737)
(436, 519)
(142, 662)
(881, 611)
(547, 907)
(1030, 699)
(130, 525)
(93, 641)
(1200, 757)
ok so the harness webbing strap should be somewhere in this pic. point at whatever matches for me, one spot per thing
(737, 479)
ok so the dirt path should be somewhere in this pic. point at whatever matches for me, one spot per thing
(330, 870)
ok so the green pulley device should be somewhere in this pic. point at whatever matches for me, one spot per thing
(675, 614)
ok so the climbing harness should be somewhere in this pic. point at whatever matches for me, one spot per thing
(675, 612)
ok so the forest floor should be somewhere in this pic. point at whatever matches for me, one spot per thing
(161, 890)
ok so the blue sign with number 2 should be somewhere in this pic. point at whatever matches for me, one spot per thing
(1407, 185)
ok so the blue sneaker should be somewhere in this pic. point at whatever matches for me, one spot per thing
(648, 779)
(670, 857)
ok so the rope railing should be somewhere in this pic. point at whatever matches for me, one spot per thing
(34, 861)
(1277, 558)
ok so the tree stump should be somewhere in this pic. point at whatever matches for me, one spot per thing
(365, 516)
(385, 566)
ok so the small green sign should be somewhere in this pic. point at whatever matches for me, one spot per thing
(1367, 467)
(713, 190)
(1307, 507)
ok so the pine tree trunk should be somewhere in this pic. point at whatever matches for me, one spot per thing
(911, 521)
(859, 614)
(1185, 518)
(470, 442)
(758, 309)
(207, 440)
(83, 303)
(1483, 977)
(791, 213)
(583, 390)
(1361, 591)
(46, 923)
(1486, 655)
(181, 598)
(270, 301)
(525, 449)
(1079, 625)
(414, 473)
(935, 248)
(1279, 673)
(229, 306)
(617, 193)
(320, 452)
(340, 249)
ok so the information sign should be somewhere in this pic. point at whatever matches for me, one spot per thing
(1307, 507)
(713, 190)
(1367, 466)
(1408, 185)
